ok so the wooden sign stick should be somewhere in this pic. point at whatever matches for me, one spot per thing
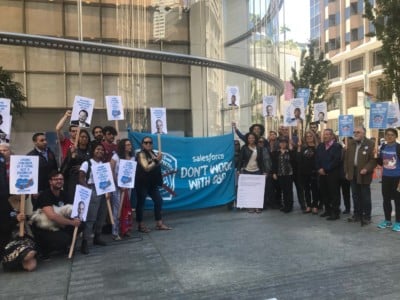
(108, 199)
(71, 249)
(22, 211)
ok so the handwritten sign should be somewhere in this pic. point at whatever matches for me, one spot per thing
(24, 171)
(103, 178)
(126, 173)
(115, 109)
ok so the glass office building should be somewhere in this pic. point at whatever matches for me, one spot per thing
(237, 31)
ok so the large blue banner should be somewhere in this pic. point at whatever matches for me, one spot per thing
(197, 172)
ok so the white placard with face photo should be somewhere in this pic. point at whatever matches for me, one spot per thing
(320, 112)
(103, 178)
(269, 106)
(82, 112)
(126, 173)
(5, 128)
(115, 109)
(294, 112)
(5, 109)
(81, 202)
(233, 96)
(24, 172)
(158, 120)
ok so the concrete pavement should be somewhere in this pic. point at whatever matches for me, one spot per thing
(220, 254)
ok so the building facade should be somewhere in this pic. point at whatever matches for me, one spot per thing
(195, 97)
(339, 29)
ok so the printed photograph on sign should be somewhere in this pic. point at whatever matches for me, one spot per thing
(5, 128)
(158, 120)
(269, 106)
(115, 110)
(81, 202)
(294, 112)
(378, 115)
(24, 171)
(82, 112)
(346, 125)
(320, 112)
(233, 96)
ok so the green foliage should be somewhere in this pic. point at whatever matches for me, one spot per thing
(386, 20)
(313, 74)
(12, 90)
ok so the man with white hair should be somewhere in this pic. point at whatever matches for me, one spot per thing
(359, 165)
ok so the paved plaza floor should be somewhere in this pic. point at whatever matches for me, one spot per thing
(221, 254)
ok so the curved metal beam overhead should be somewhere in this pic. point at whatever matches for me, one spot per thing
(272, 11)
(28, 40)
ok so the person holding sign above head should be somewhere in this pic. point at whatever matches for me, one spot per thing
(252, 161)
(49, 240)
(66, 142)
(82, 117)
(389, 159)
(124, 151)
(147, 182)
(97, 211)
(72, 163)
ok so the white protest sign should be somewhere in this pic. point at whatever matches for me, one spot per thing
(393, 116)
(82, 111)
(5, 106)
(103, 178)
(269, 106)
(320, 112)
(81, 202)
(126, 173)
(115, 109)
(158, 120)
(233, 95)
(5, 118)
(24, 172)
(250, 192)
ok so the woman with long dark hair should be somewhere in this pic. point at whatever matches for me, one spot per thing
(251, 160)
(148, 181)
(124, 151)
(307, 172)
(72, 162)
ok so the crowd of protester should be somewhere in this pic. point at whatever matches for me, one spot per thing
(50, 228)
(316, 165)
(322, 170)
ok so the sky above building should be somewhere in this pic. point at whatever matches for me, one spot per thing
(297, 19)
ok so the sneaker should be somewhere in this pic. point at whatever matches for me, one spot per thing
(384, 224)
(396, 226)
(116, 237)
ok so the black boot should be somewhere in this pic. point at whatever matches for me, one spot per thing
(99, 241)
(84, 247)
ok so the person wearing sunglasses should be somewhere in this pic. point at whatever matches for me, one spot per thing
(148, 180)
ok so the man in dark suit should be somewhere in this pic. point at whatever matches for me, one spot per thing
(82, 117)
(47, 162)
(359, 165)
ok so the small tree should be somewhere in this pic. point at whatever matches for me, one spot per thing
(313, 74)
(386, 20)
(13, 91)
